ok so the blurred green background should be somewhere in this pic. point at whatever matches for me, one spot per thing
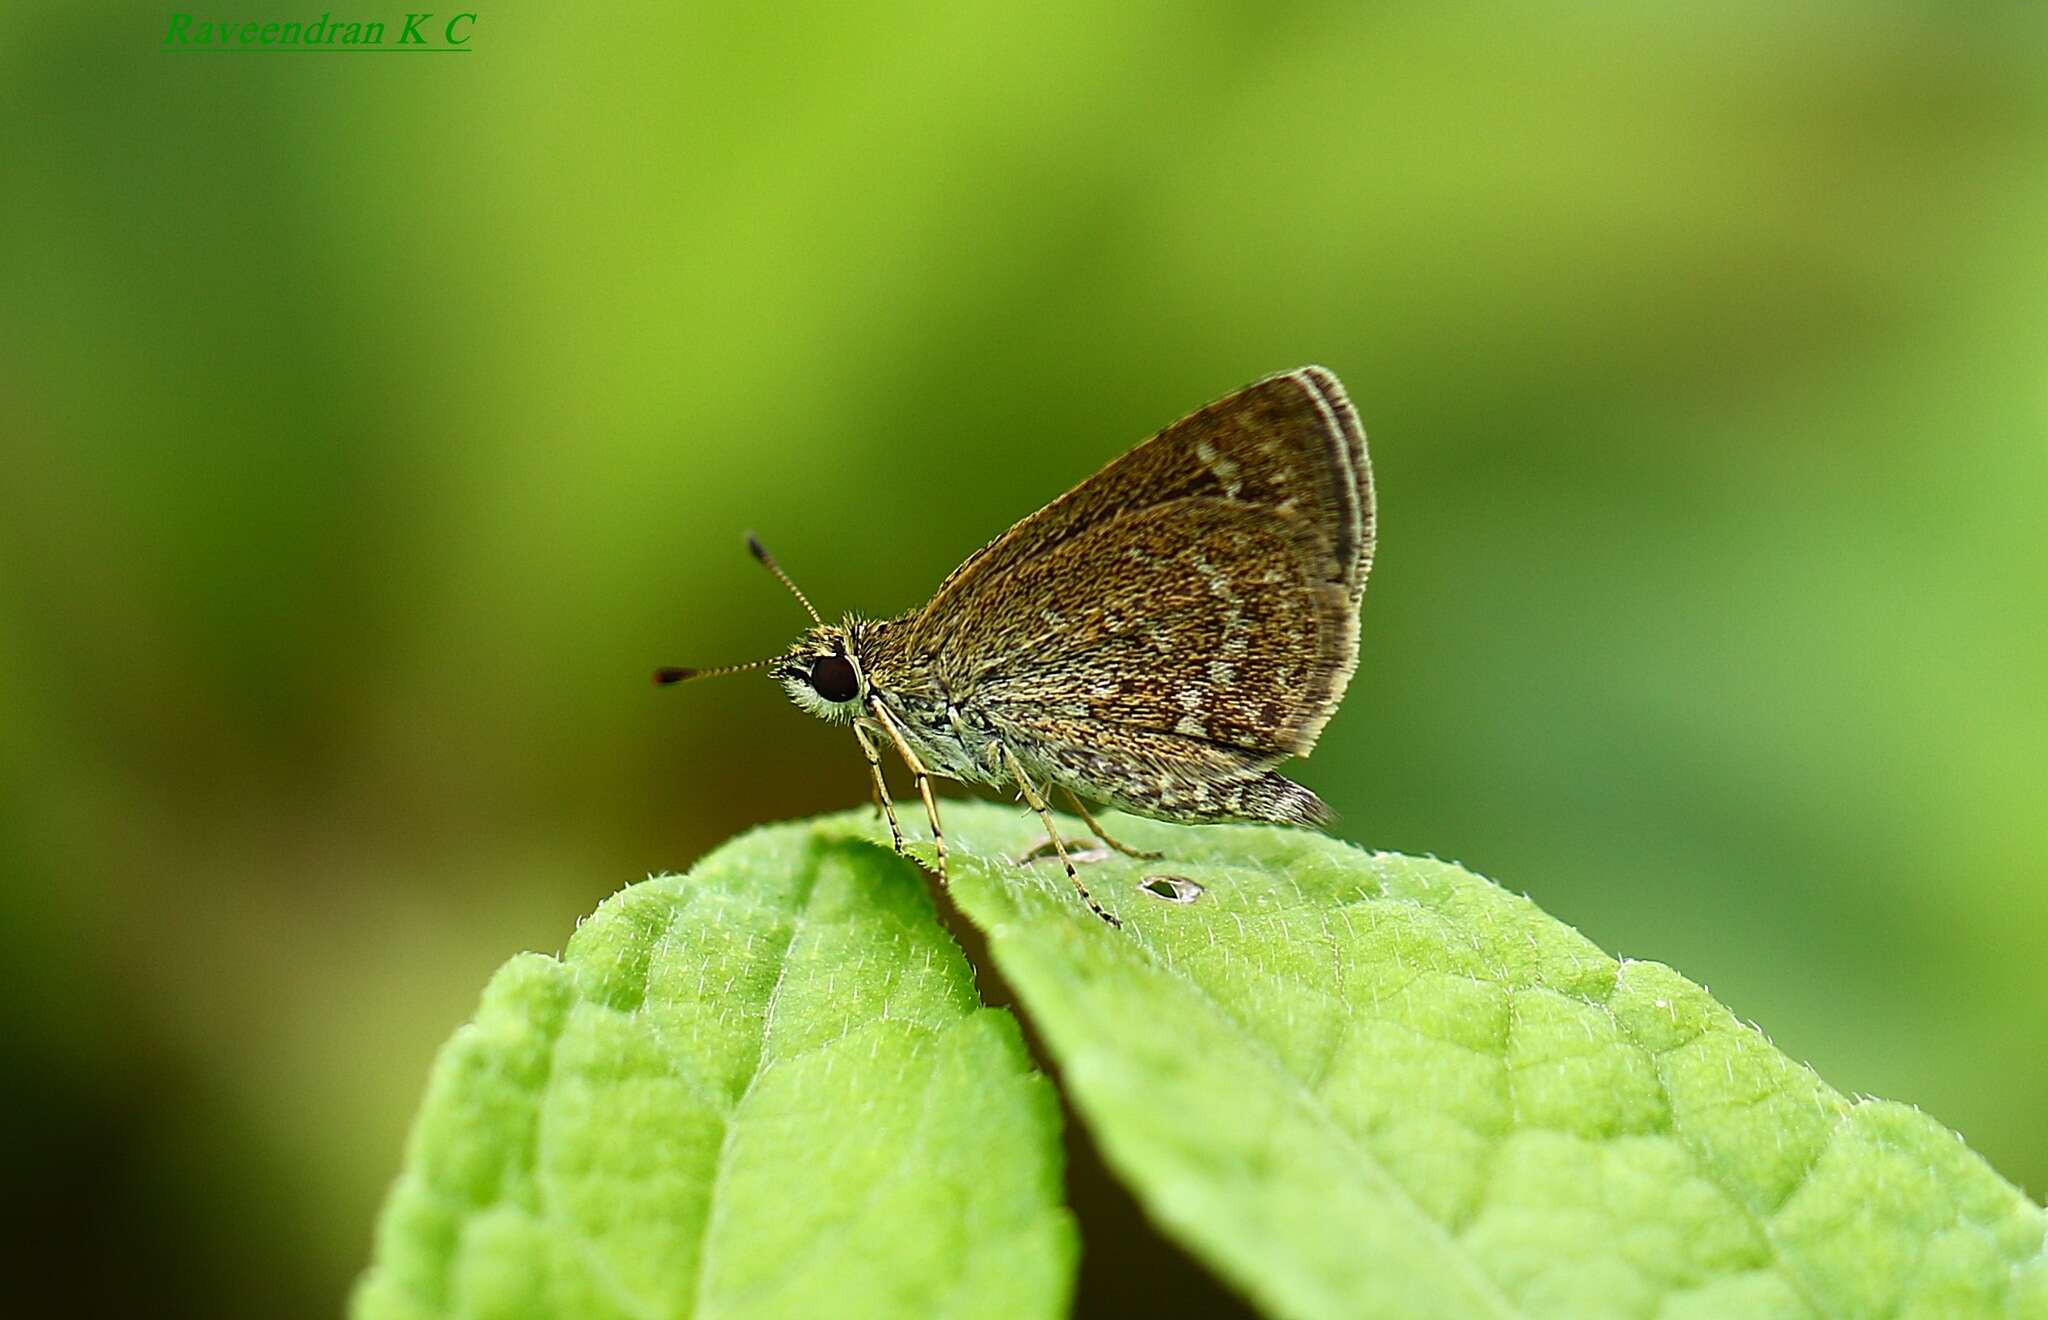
(372, 426)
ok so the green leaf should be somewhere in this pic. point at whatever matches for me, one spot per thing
(1365, 1084)
(765, 1088)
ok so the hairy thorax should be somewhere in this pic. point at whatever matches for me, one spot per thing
(933, 708)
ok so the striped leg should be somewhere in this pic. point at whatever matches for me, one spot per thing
(923, 777)
(881, 785)
(1095, 828)
(1037, 804)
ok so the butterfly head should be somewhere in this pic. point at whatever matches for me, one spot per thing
(822, 673)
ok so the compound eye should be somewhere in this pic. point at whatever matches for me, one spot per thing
(834, 680)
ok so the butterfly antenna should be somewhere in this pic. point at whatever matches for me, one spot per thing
(670, 674)
(760, 552)
(677, 674)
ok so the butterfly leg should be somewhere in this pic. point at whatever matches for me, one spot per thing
(1108, 839)
(880, 785)
(1037, 804)
(924, 782)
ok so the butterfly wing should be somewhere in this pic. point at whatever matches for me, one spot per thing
(1173, 695)
(1290, 442)
(1164, 633)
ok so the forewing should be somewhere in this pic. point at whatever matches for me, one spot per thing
(1330, 391)
(1172, 692)
(1290, 443)
(1204, 586)
(1195, 618)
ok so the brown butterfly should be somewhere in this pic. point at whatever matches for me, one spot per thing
(1157, 639)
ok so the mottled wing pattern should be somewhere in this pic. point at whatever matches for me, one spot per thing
(1172, 695)
(1289, 442)
(1163, 634)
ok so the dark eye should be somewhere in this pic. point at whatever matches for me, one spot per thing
(834, 679)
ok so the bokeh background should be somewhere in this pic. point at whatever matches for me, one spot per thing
(372, 426)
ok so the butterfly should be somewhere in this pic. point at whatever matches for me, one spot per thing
(1155, 640)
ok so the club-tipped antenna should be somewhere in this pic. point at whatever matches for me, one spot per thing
(760, 552)
(678, 674)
